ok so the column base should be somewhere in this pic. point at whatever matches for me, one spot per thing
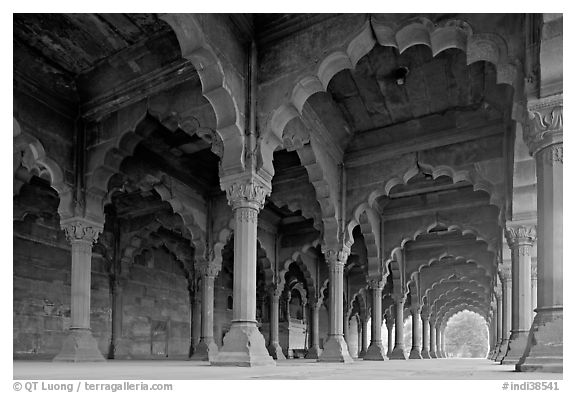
(206, 349)
(375, 352)
(361, 354)
(275, 350)
(313, 352)
(244, 346)
(415, 353)
(433, 355)
(79, 346)
(516, 347)
(397, 354)
(544, 349)
(502, 350)
(425, 354)
(335, 351)
(495, 352)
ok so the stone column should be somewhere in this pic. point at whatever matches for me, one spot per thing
(390, 326)
(376, 350)
(79, 344)
(443, 342)
(534, 286)
(498, 324)
(544, 135)
(364, 340)
(520, 240)
(398, 351)
(416, 332)
(439, 353)
(116, 332)
(335, 348)
(207, 348)
(196, 319)
(433, 353)
(244, 345)
(505, 279)
(425, 333)
(314, 351)
(346, 330)
(274, 348)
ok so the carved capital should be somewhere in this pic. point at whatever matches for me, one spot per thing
(544, 125)
(275, 291)
(335, 256)
(399, 298)
(522, 236)
(207, 268)
(81, 230)
(505, 272)
(416, 309)
(249, 192)
(498, 293)
(376, 283)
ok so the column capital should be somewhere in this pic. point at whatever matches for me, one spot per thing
(398, 297)
(275, 290)
(207, 268)
(79, 229)
(246, 191)
(336, 258)
(520, 235)
(376, 282)
(544, 123)
(505, 272)
(498, 293)
(415, 308)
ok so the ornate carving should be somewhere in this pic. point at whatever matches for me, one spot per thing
(505, 272)
(247, 215)
(207, 268)
(247, 193)
(376, 283)
(545, 123)
(399, 298)
(80, 230)
(275, 291)
(553, 154)
(522, 236)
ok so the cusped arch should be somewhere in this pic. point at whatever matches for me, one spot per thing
(445, 280)
(296, 259)
(29, 152)
(219, 85)
(417, 31)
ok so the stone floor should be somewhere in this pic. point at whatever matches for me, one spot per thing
(288, 369)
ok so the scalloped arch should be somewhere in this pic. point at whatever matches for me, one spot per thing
(24, 140)
(296, 259)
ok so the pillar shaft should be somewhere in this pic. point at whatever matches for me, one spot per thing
(505, 278)
(274, 348)
(433, 353)
(116, 318)
(398, 351)
(206, 348)
(196, 320)
(390, 328)
(425, 336)
(376, 349)
(335, 348)
(314, 351)
(244, 345)
(415, 351)
(534, 289)
(520, 240)
(364, 340)
(544, 351)
(80, 345)
(439, 352)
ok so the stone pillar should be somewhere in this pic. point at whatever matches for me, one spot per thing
(498, 317)
(196, 320)
(364, 339)
(433, 353)
(439, 353)
(335, 348)
(544, 135)
(274, 348)
(425, 333)
(376, 349)
(79, 344)
(505, 279)
(416, 332)
(207, 348)
(520, 240)
(346, 330)
(244, 345)
(443, 342)
(314, 351)
(398, 351)
(534, 286)
(390, 326)
(116, 332)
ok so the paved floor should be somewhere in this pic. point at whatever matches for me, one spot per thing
(289, 369)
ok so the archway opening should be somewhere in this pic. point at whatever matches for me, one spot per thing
(466, 336)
